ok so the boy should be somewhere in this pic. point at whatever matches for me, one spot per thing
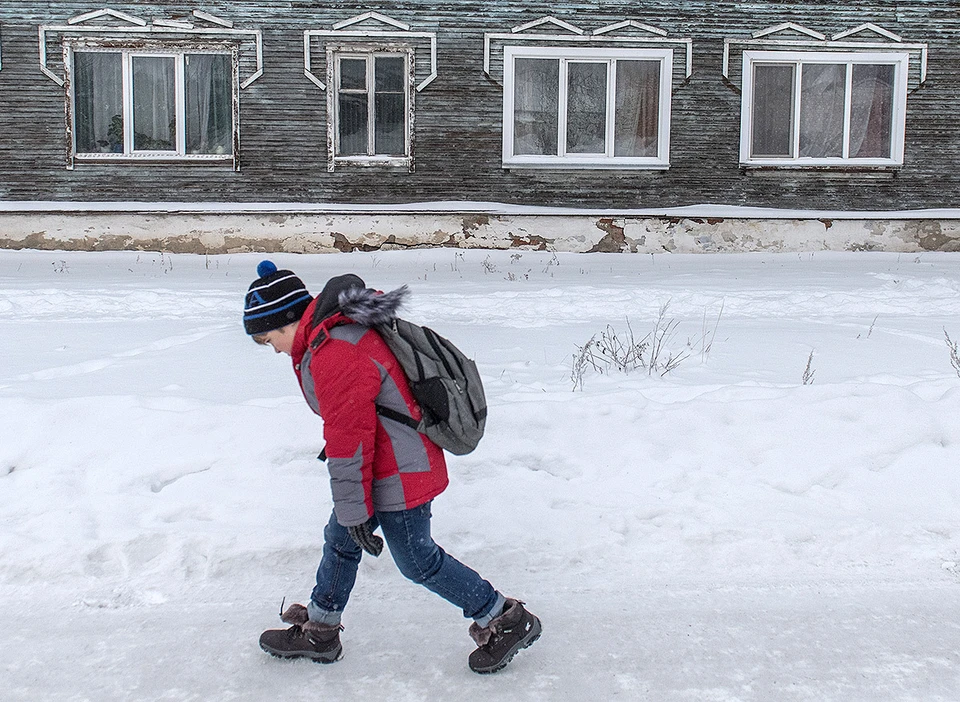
(383, 473)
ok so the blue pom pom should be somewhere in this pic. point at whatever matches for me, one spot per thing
(266, 268)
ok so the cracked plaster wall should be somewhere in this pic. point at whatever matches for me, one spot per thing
(326, 233)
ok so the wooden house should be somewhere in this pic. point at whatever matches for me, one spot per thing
(299, 125)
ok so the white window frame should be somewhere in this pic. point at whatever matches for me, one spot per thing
(600, 55)
(128, 53)
(900, 61)
(369, 54)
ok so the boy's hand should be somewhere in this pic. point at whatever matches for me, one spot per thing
(364, 537)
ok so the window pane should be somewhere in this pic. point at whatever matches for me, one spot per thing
(353, 74)
(772, 110)
(98, 102)
(388, 74)
(822, 89)
(536, 100)
(209, 109)
(353, 124)
(637, 115)
(388, 134)
(871, 116)
(586, 108)
(389, 106)
(154, 109)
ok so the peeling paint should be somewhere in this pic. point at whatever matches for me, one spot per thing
(614, 241)
(472, 222)
(932, 237)
(343, 232)
(862, 246)
(344, 245)
(538, 243)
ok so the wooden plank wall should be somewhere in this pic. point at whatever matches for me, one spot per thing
(458, 118)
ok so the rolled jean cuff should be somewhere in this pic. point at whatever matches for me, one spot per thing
(485, 620)
(322, 616)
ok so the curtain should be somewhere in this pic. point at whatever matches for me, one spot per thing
(772, 111)
(536, 103)
(154, 109)
(871, 114)
(822, 90)
(637, 112)
(586, 108)
(98, 102)
(209, 103)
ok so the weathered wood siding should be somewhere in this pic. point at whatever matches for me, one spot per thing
(457, 154)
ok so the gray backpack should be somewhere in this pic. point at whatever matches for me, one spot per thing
(444, 382)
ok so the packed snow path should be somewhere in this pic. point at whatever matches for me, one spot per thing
(776, 518)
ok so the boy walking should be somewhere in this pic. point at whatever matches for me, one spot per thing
(383, 473)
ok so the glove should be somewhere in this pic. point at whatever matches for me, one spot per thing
(363, 536)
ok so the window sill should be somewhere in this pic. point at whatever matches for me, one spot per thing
(391, 163)
(835, 166)
(138, 158)
(584, 166)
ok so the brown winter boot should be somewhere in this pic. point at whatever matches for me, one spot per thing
(305, 639)
(514, 628)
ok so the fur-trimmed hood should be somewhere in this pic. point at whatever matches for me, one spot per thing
(350, 295)
(369, 307)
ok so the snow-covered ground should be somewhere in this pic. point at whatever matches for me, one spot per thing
(726, 531)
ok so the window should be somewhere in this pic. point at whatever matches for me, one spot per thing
(823, 109)
(371, 122)
(586, 108)
(141, 104)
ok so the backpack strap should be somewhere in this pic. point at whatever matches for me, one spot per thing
(319, 332)
(397, 416)
(319, 335)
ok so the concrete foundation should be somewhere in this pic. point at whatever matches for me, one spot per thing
(271, 229)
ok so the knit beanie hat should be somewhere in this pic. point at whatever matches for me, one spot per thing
(274, 300)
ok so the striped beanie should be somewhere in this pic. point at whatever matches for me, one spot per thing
(274, 300)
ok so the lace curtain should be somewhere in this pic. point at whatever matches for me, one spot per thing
(823, 92)
(209, 103)
(537, 107)
(98, 102)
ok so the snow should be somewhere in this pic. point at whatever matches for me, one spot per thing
(721, 532)
(703, 210)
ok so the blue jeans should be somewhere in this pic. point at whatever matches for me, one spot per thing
(417, 556)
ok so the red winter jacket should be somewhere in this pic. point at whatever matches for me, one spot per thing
(375, 463)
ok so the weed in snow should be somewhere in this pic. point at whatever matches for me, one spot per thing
(954, 355)
(809, 372)
(872, 324)
(655, 352)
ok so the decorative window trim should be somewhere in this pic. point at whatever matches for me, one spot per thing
(152, 48)
(340, 33)
(166, 36)
(335, 51)
(897, 128)
(795, 43)
(813, 40)
(493, 42)
(617, 39)
(364, 34)
(588, 161)
(136, 27)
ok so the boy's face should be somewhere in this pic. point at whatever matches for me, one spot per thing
(280, 339)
